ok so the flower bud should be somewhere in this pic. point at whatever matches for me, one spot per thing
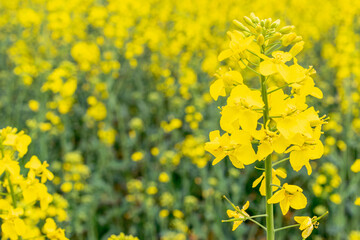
(275, 37)
(286, 29)
(260, 40)
(288, 39)
(296, 48)
(254, 18)
(268, 23)
(275, 24)
(297, 39)
(240, 25)
(248, 21)
(262, 23)
(258, 29)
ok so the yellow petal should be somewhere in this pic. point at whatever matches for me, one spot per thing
(225, 54)
(284, 206)
(235, 161)
(258, 180)
(277, 197)
(246, 205)
(264, 149)
(306, 233)
(217, 89)
(300, 219)
(298, 201)
(267, 68)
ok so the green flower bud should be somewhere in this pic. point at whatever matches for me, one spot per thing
(288, 39)
(260, 40)
(268, 23)
(275, 37)
(286, 29)
(254, 18)
(262, 23)
(240, 25)
(298, 39)
(258, 29)
(248, 21)
(275, 24)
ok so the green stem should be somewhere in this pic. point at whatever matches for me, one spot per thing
(246, 217)
(270, 233)
(286, 227)
(250, 67)
(11, 190)
(317, 219)
(280, 161)
(253, 53)
(259, 224)
(273, 48)
(276, 89)
(243, 219)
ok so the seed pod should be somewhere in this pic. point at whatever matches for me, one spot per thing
(275, 24)
(260, 40)
(240, 25)
(286, 29)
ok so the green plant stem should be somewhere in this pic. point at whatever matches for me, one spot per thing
(280, 161)
(250, 67)
(246, 217)
(270, 233)
(276, 89)
(11, 190)
(243, 219)
(286, 227)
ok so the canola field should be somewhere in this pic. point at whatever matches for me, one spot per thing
(167, 119)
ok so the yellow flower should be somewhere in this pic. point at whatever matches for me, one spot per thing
(357, 201)
(38, 169)
(164, 177)
(306, 225)
(226, 80)
(240, 214)
(137, 156)
(9, 165)
(19, 141)
(240, 110)
(13, 226)
(335, 198)
(238, 46)
(52, 232)
(301, 155)
(275, 180)
(237, 146)
(355, 167)
(34, 105)
(276, 64)
(289, 196)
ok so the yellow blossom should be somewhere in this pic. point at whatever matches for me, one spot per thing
(237, 146)
(306, 225)
(289, 196)
(238, 214)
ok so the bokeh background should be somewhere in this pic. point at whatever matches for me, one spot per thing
(115, 95)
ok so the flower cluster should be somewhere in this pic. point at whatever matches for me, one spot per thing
(274, 119)
(27, 208)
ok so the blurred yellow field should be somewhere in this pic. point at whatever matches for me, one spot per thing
(132, 119)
